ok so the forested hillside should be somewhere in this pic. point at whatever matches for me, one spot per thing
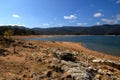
(93, 30)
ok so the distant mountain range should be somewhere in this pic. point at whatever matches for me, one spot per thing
(93, 30)
(65, 30)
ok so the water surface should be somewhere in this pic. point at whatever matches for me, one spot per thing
(105, 44)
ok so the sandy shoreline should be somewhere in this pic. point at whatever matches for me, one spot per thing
(48, 36)
(38, 36)
(80, 48)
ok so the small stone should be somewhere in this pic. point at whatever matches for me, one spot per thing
(49, 73)
(24, 76)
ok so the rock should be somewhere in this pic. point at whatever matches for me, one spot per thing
(4, 52)
(28, 46)
(65, 68)
(92, 69)
(58, 69)
(97, 77)
(100, 71)
(49, 73)
(67, 57)
(77, 71)
(24, 76)
(39, 60)
(68, 77)
(19, 42)
(98, 60)
(34, 76)
(111, 63)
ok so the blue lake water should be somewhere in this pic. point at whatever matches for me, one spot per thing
(105, 44)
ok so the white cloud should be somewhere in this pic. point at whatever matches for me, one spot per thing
(70, 17)
(118, 17)
(118, 2)
(46, 24)
(12, 25)
(115, 20)
(110, 21)
(97, 23)
(21, 25)
(79, 24)
(15, 16)
(98, 14)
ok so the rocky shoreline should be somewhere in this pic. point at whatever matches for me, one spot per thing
(50, 60)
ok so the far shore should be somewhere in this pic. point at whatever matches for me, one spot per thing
(38, 36)
(48, 36)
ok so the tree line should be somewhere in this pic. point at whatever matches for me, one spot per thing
(17, 30)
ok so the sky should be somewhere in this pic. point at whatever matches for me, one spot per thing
(57, 13)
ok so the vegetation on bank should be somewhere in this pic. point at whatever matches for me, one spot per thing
(5, 38)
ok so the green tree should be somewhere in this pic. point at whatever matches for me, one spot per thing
(2, 42)
(8, 33)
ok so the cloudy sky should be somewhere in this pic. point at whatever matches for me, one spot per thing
(51, 13)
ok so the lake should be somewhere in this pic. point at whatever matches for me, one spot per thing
(104, 44)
